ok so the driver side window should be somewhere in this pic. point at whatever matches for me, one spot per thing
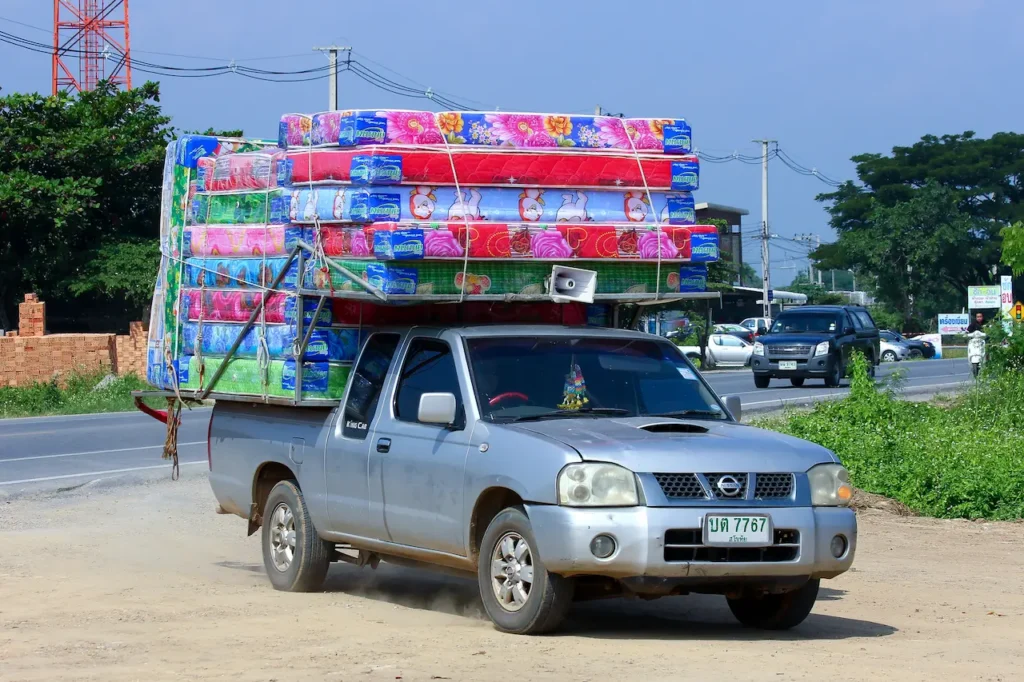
(429, 368)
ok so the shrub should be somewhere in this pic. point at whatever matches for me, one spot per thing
(961, 461)
(78, 395)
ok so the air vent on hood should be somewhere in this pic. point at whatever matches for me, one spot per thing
(674, 427)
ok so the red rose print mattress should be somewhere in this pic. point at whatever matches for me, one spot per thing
(394, 166)
(524, 241)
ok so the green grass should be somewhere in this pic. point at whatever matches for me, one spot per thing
(954, 352)
(76, 397)
(961, 459)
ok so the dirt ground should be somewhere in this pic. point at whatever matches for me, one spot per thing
(147, 583)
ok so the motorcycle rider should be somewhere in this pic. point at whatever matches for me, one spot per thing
(977, 324)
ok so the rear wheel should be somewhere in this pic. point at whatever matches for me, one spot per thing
(518, 593)
(888, 356)
(797, 381)
(762, 380)
(295, 557)
(776, 611)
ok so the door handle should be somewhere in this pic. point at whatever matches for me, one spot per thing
(384, 445)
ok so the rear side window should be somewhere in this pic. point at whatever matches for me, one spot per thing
(429, 368)
(367, 383)
(864, 318)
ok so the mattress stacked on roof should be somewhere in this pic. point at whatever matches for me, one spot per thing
(420, 206)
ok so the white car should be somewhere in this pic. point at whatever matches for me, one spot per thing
(893, 352)
(756, 323)
(724, 350)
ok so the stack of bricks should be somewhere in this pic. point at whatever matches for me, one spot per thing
(130, 351)
(30, 356)
(31, 316)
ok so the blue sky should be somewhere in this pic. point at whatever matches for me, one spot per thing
(827, 79)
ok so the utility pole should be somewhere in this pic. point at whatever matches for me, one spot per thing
(332, 82)
(810, 268)
(765, 234)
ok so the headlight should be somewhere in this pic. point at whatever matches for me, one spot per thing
(597, 485)
(758, 348)
(821, 349)
(830, 485)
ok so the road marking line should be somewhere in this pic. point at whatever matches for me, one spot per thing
(843, 394)
(91, 416)
(96, 473)
(95, 452)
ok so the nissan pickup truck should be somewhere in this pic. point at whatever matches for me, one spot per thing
(555, 463)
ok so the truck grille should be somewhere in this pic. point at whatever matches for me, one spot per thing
(681, 486)
(773, 486)
(688, 486)
(685, 544)
(788, 351)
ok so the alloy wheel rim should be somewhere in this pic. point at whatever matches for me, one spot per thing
(282, 537)
(512, 571)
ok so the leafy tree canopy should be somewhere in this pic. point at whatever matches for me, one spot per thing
(79, 195)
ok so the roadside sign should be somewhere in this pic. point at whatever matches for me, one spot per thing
(1017, 312)
(984, 298)
(954, 323)
(771, 295)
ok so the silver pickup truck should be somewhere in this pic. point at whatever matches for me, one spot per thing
(556, 464)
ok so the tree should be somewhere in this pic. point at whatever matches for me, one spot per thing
(815, 294)
(1013, 247)
(80, 196)
(978, 185)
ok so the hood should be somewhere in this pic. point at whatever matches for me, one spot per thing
(657, 445)
(807, 338)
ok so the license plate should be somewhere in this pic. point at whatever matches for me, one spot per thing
(787, 364)
(728, 531)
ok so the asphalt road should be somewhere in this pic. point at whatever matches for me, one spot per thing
(54, 453)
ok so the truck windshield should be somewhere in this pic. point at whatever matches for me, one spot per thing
(795, 323)
(533, 378)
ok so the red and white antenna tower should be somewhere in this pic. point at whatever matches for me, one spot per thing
(90, 44)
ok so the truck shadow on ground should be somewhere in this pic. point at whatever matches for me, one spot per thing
(693, 616)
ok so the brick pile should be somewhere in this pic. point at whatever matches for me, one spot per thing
(29, 355)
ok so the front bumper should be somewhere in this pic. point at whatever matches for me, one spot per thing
(564, 534)
(806, 368)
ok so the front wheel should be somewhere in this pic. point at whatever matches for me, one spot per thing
(797, 382)
(975, 368)
(776, 611)
(762, 380)
(888, 356)
(835, 377)
(295, 557)
(518, 593)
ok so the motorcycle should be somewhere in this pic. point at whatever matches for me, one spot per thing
(976, 351)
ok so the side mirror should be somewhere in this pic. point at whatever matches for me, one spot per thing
(735, 406)
(437, 408)
(761, 331)
(850, 331)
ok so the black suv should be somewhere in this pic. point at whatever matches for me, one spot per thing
(814, 342)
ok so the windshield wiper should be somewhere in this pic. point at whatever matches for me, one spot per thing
(567, 414)
(688, 413)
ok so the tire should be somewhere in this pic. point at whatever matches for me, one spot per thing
(888, 356)
(916, 354)
(310, 555)
(797, 382)
(776, 611)
(762, 380)
(547, 598)
(836, 377)
(975, 368)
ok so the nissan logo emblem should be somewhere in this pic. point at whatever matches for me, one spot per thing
(729, 486)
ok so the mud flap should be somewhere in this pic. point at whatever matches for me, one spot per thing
(255, 520)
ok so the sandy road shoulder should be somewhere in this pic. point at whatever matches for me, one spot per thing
(146, 582)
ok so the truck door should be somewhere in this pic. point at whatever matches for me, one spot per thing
(346, 463)
(423, 465)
